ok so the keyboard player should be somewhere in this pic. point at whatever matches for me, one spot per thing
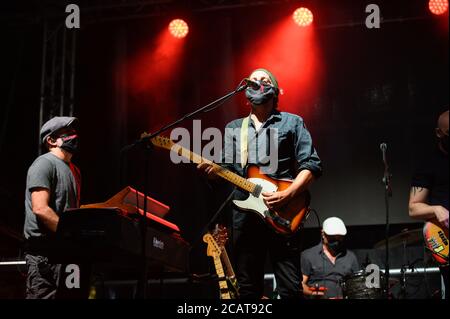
(52, 186)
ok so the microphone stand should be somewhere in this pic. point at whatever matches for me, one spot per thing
(216, 215)
(387, 193)
(403, 270)
(145, 141)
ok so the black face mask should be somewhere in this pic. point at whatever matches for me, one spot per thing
(262, 95)
(70, 143)
(336, 247)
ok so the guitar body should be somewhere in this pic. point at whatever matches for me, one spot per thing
(436, 240)
(285, 220)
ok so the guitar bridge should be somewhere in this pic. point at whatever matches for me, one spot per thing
(277, 219)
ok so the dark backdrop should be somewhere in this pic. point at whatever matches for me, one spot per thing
(386, 85)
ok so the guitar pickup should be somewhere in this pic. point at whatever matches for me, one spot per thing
(257, 191)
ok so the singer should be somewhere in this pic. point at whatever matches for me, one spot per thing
(297, 161)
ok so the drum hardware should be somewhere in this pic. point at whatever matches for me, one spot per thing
(404, 238)
(403, 270)
(355, 286)
(407, 237)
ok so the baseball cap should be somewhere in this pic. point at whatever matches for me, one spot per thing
(334, 226)
(55, 124)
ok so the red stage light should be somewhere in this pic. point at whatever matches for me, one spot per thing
(303, 17)
(438, 6)
(178, 28)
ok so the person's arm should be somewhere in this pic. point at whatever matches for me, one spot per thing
(39, 204)
(300, 184)
(309, 168)
(306, 268)
(420, 209)
(305, 153)
(307, 291)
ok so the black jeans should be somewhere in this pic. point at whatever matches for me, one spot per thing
(253, 240)
(42, 278)
(46, 280)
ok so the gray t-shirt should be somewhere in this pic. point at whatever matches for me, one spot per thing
(61, 179)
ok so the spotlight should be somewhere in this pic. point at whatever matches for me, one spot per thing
(303, 17)
(438, 7)
(178, 28)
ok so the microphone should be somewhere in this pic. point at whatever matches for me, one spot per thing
(253, 84)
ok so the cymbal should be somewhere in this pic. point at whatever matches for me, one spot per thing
(406, 237)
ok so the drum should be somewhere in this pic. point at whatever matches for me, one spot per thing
(359, 286)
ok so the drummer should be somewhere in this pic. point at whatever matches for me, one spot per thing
(325, 265)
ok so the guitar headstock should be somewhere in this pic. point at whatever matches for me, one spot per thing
(220, 235)
(213, 249)
(161, 141)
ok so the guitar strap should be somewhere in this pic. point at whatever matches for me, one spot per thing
(244, 141)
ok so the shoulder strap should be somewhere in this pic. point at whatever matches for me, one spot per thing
(244, 141)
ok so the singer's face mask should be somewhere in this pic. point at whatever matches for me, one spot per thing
(260, 96)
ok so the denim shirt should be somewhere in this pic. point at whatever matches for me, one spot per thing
(292, 141)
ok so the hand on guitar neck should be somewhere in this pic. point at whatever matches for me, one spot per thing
(209, 170)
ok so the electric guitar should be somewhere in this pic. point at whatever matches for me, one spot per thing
(214, 251)
(220, 235)
(436, 241)
(285, 220)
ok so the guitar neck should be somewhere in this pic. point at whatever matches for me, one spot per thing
(227, 263)
(218, 267)
(231, 177)
(224, 293)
